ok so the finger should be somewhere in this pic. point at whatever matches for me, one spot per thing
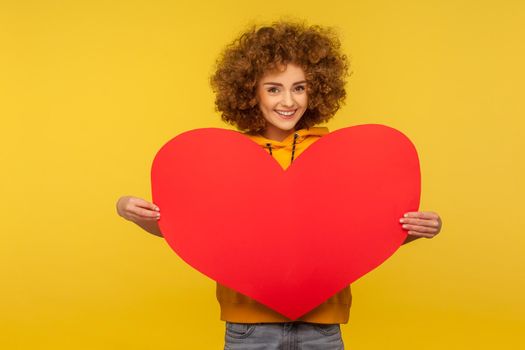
(422, 215)
(139, 202)
(145, 213)
(420, 228)
(419, 234)
(136, 218)
(421, 222)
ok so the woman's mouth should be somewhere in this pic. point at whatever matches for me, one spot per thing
(286, 114)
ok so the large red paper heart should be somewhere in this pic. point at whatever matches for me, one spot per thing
(293, 238)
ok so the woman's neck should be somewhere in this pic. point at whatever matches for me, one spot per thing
(276, 134)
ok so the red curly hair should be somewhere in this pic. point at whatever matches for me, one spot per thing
(313, 48)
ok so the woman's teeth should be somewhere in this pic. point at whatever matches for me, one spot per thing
(286, 113)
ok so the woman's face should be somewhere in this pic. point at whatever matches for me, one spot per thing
(283, 100)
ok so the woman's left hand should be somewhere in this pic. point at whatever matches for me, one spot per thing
(421, 223)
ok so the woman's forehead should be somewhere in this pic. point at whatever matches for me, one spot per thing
(284, 71)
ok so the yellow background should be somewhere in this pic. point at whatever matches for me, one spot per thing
(90, 90)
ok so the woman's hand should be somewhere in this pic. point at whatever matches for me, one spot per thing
(141, 212)
(137, 209)
(421, 224)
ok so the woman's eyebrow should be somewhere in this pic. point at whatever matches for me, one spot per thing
(279, 84)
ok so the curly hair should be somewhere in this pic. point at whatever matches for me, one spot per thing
(313, 48)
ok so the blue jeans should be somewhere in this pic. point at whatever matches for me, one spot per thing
(283, 336)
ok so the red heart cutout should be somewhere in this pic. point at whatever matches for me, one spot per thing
(289, 239)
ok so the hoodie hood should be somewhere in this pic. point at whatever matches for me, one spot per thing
(302, 135)
(291, 147)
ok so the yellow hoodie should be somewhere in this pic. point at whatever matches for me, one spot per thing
(236, 307)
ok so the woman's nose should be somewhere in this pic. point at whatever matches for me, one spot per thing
(288, 100)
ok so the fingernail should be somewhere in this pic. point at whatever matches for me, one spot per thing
(405, 226)
(406, 215)
(401, 220)
(156, 208)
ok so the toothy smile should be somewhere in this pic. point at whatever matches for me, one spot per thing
(286, 113)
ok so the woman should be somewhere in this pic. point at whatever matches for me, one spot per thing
(275, 83)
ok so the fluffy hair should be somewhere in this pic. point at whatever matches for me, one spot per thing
(259, 50)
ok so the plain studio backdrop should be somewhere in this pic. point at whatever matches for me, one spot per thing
(90, 90)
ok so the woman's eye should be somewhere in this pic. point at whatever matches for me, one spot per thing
(275, 90)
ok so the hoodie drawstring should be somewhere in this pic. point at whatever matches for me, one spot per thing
(295, 135)
(293, 147)
(269, 145)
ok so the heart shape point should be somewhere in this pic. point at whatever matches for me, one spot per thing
(289, 239)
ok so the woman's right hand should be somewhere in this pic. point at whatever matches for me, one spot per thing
(137, 210)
